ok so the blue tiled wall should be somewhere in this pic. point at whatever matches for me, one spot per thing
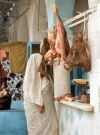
(74, 121)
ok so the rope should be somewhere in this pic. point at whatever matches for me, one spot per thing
(84, 27)
(39, 9)
(38, 15)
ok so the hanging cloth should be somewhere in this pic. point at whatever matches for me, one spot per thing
(17, 55)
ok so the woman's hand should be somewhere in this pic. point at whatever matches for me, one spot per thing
(41, 109)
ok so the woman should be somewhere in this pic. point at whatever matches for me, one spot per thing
(38, 95)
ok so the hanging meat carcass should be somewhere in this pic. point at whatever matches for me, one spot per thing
(79, 55)
(59, 45)
(51, 54)
(62, 44)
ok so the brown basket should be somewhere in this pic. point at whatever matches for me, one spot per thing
(85, 99)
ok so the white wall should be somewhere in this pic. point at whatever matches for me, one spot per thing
(12, 33)
(94, 43)
(93, 3)
(22, 29)
(26, 26)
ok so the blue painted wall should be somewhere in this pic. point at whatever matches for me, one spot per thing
(65, 10)
(50, 13)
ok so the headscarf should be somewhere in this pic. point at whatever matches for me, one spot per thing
(32, 86)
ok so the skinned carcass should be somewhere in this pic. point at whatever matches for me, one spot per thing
(52, 37)
(79, 55)
(51, 54)
(61, 44)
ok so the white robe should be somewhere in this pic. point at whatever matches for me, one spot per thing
(41, 91)
(32, 80)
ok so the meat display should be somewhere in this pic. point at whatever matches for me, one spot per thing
(79, 55)
(51, 54)
(61, 44)
(67, 97)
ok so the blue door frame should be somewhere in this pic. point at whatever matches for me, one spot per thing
(29, 48)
